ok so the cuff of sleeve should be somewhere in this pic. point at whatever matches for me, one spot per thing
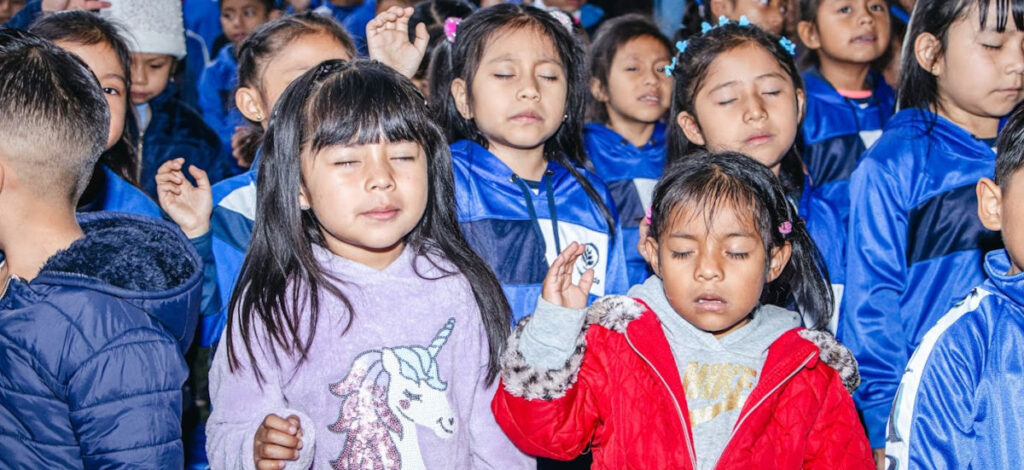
(549, 338)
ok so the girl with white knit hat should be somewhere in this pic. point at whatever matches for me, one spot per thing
(169, 128)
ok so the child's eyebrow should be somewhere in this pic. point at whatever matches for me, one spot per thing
(513, 58)
(117, 76)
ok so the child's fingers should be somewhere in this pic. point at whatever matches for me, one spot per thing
(171, 165)
(422, 37)
(281, 438)
(202, 180)
(587, 280)
(263, 464)
(276, 452)
(273, 421)
(168, 177)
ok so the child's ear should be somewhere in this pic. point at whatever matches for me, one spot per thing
(721, 7)
(461, 95)
(688, 123)
(927, 49)
(808, 32)
(990, 204)
(801, 105)
(248, 101)
(649, 251)
(779, 260)
(598, 91)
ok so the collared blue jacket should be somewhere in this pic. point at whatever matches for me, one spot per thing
(176, 130)
(217, 86)
(836, 131)
(113, 193)
(92, 349)
(520, 230)
(630, 173)
(958, 405)
(915, 247)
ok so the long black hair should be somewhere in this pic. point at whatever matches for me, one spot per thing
(610, 37)
(918, 87)
(345, 103)
(692, 68)
(704, 182)
(82, 27)
(265, 43)
(461, 59)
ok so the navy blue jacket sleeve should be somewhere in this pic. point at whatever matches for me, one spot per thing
(876, 278)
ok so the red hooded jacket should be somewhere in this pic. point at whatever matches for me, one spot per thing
(621, 392)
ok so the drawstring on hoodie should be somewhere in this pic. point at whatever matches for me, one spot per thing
(546, 182)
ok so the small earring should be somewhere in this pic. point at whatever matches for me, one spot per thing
(565, 117)
(259, 118)
(303, 207)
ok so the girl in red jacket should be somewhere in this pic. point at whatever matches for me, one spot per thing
(699, 367)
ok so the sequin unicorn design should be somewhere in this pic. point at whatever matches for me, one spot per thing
(386, 397)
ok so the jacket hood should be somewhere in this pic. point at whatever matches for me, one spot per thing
(145, 261)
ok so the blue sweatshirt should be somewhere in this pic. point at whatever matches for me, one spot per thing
(631, 174)
(836, 132)
(915, 247)
(176, 130)
(959, 400)
(353, 18)
(217, 97)
(113, 193)
(234, 209)
(519, 230)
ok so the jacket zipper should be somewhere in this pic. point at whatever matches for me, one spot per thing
(759, 402)
(679, 409)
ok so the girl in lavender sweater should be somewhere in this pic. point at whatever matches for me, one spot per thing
(364, 331)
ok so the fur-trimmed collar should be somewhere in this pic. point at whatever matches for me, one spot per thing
(143, 260)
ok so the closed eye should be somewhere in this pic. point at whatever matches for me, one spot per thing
(737, 255)
(681, 254)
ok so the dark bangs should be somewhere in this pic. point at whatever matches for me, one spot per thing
(366, 108)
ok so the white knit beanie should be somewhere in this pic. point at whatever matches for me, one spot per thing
(153, 26)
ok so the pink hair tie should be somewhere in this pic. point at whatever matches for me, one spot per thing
(786, 227)
(647, 214)
(451, 26)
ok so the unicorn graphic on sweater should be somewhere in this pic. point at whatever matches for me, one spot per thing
(386, 397)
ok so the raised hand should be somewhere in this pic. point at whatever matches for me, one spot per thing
(558, 287)
(277, 441)
(188, 206)
(387, 39)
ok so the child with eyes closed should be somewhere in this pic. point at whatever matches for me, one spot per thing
(509, 90)
(698, 367)
(737, 89)
(916, 245)
(364, 332)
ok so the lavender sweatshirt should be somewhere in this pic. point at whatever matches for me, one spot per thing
(402, 389)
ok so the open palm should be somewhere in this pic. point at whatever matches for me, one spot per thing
(189, 206)
(387, 40)
(558, 288)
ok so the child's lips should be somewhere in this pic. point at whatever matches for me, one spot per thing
(527, 117)
(651, 98)
(710, 303)
(384, 213)
(758, 139)
(865, 39)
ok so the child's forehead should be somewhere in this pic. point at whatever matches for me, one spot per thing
(711, 216)
(239, 4)
(530, 38)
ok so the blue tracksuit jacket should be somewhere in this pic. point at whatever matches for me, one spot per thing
(520, 230)
(958, 405)
(915, 247)
(630, 174)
